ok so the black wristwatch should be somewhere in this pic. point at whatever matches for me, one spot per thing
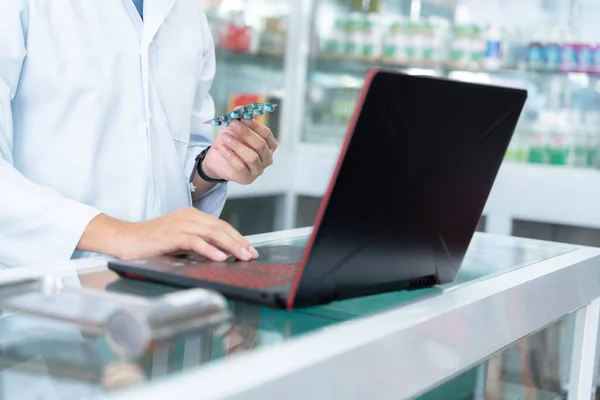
(198, 167)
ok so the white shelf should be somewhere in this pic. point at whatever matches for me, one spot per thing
(546, 193)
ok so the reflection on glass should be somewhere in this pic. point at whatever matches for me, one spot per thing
(596, 381)
(534, 368)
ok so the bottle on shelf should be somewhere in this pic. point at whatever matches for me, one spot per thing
(493, 37)
(595, 69)
(468, 47)
(392, 44)
(273, 36)
(518, 150)
(538, 148)
(413, 45)
(427, 40)
(584, 58)
(334, 44)
(591, 123)
(372, 38)
(568, 54)
(440, 40)
(535, 49)
(477, 46)
(461, 46)
(551, 51)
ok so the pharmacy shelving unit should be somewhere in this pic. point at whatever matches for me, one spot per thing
(553, 194)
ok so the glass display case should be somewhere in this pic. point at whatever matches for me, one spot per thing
(537, 45)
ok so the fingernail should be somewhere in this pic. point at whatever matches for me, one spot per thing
(247, 122)
(220, 255)
(235, 124)
(223, 149)
(226, 138)
(245, 253)
(254, 252)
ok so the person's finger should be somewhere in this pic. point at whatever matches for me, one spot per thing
(219, 238)
(239, 167)
(231, 231)
(263, 131)
(201, 224)
(248, 155)
(201, 246)
(253, 140)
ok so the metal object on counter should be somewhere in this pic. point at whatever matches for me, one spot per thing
(131, 324)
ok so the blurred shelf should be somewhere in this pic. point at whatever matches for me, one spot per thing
(324, 134)
(535, 192)
(263, 60)
(358, 66)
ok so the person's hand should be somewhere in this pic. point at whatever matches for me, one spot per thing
(185, 230)
(241, 152)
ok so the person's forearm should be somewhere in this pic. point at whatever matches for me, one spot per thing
(103, 235)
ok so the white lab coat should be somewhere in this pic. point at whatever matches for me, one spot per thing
(99, 112)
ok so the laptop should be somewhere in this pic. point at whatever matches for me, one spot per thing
(413, 175)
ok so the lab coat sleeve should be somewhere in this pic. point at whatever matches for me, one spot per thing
(211, 202)
(37, 224)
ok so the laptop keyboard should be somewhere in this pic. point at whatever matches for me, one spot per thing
(251, 276)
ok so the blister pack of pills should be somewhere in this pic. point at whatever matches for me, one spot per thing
(245, 112)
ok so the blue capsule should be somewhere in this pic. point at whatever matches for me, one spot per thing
(226, 123)
(248, 116)
(258, 112)
(215, 122)
(235, 114)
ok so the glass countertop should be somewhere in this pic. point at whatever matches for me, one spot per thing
(47, 359)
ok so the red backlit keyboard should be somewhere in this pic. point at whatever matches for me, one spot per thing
(251, 277)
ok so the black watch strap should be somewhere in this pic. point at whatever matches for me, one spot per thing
(198, 167)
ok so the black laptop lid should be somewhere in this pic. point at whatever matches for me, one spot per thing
(418, 168)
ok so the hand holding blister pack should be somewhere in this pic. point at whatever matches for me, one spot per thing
(248, 111)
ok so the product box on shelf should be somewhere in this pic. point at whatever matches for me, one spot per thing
(236, 36)
(273, 36)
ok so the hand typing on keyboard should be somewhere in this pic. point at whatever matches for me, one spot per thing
(185, 230)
